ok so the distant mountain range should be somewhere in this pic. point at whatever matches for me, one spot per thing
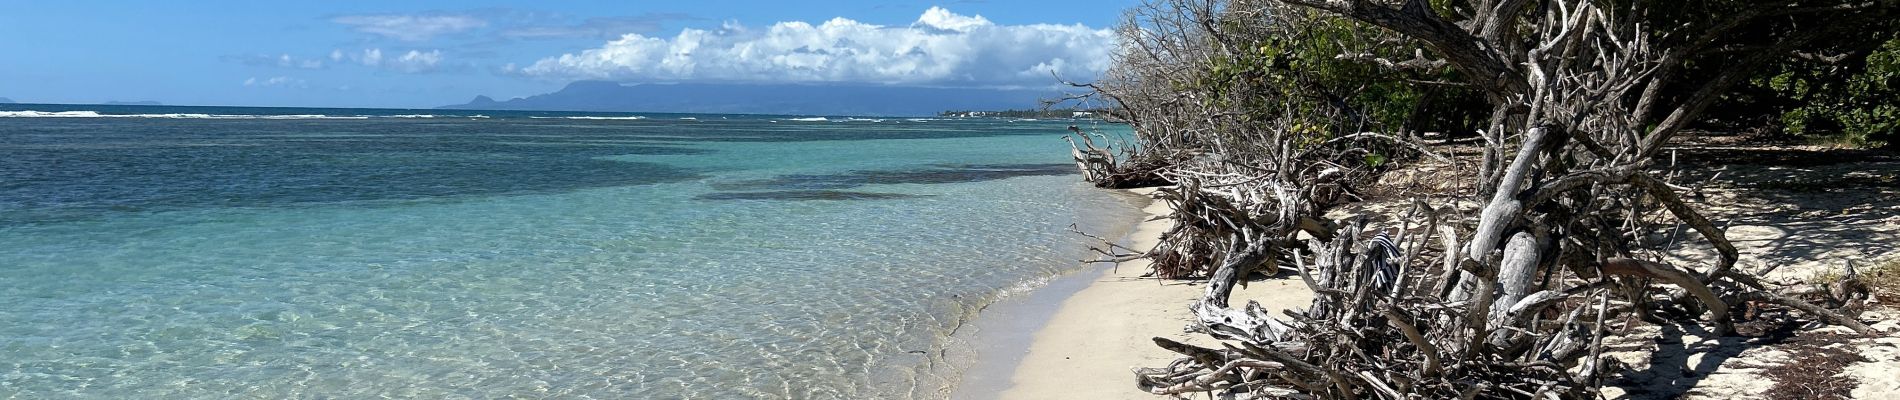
(789, 99)
(4, 100)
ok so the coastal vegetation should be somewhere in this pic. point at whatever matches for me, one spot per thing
(1550, 118)
(1846, 93)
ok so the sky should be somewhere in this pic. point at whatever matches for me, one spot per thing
(419, 54)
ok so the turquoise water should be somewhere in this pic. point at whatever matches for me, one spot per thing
(154, 252)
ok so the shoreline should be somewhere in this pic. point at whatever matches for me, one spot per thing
(1096, 326)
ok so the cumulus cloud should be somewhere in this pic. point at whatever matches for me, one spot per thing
(416, 61)
(411, 28)
(370, 57)
(413, 61)
(280, 81)
(940, 48)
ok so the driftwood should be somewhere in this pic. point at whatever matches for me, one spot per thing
(1513, 302)
(1349, 344)
(1099, 166)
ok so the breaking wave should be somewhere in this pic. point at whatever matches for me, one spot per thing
(632, 118)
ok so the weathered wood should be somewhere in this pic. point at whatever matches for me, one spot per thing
(1205, 356)
(1210, 380)
(1519, 314)
(1084, 162)
(1825, 314)
(1503, 316)
(1726, 251)
(1430, 351)
(1517, 273)
(1718, 309)
(1221, 286)
(1451, 276)
(1504, 208)
(1249, 325)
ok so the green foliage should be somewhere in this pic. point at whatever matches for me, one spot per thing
(1851, 97)
(1296, 72)
(1375, 160)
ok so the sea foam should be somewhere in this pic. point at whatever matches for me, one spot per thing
(632, 118)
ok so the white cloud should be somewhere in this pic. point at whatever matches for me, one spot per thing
(280, 81)
(286, 61)
(412, 28)
(416, 61)
(370, 57)
(942, 19)
(940, 48)
(279, 61)
(412, 61)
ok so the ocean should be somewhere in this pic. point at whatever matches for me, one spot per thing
(220, 252)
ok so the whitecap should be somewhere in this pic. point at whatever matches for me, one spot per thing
(587, 117)
(632, 118)
(294, 116)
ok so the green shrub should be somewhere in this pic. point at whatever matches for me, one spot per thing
(1851, 97)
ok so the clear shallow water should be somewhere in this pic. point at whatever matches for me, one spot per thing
(724, 257)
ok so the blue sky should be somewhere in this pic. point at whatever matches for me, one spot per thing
(430, 53)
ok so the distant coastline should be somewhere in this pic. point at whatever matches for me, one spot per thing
(38, 110)
(782, 99)
(1024, 113)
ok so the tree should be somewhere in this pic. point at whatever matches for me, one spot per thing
(1581, 95)
(1847, 90)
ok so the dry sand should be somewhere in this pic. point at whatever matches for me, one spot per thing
(1803, 211)
(1097, 337)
